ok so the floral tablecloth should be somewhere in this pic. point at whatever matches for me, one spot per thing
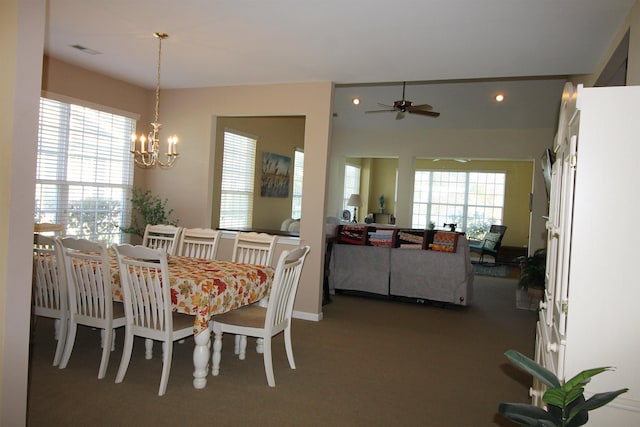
(202, 287)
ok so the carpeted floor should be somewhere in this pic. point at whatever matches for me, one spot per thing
(368, 363)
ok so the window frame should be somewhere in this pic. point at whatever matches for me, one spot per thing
(237, 185)
(351, 185)
(297, 185)
(461, 198)
(83, 148)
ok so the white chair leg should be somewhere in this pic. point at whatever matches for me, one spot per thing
(56, 329)
(243, 347)
(113, 339)
(61, 326)
(148, 348)
(268, 363)
(68, 345)
(289, 347)
(106, 350)
(260, 345)
(236, 348)
(126, 354)
(217, 350)
(167, 352)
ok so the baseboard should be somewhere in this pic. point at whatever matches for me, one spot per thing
(307, 316)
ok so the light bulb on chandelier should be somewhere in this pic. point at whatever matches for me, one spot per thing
(146, 149)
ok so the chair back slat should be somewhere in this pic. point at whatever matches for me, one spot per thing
(285, 285)
(143, 272)
(199, 243)
(88, 277)
(254, 248)
(161, 236)
(49, 291)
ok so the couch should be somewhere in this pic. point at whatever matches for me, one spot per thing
(417, 274)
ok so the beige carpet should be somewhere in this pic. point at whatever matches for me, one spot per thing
(368, 363)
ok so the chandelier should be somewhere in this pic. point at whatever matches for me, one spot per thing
(146, 149)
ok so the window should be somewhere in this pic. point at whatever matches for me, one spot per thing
(84, 170)
(238, 171)
(351, 183)
(298, 172)
(473, 200)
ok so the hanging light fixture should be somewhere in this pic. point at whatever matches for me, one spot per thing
(146, 149)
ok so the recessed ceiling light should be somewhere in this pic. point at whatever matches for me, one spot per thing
(500, 97)
(356, 101)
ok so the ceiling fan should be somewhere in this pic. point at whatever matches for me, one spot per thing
(404, 106)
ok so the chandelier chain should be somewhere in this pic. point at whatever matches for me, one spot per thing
(146, 149)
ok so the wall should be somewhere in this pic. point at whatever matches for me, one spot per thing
(21, 44)
(383, 182)
(193, 114)
(279, 135)
(482, 144)
(518, 187)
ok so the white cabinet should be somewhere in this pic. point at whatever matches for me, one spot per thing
(590, 315)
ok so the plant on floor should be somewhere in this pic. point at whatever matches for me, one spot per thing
(532, 270)
(147, 209)
(566, 404)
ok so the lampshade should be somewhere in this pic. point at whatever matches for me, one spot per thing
(354, 200)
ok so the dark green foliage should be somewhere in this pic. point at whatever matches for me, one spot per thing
(567, 406)
(532, 269)
(147, 209)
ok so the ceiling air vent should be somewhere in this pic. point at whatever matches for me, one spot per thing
(85, 49)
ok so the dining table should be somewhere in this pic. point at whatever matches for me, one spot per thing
(203, 288)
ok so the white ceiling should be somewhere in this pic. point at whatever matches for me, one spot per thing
(349, 42)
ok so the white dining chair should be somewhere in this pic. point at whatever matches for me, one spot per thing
(50, 289)
(265, 322)
(198, 243)
(144, 276)
(88, 276)
(162, 236)
(253, 248)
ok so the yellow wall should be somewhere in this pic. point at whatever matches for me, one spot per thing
(278, 135)
(517, 190)
(377, 177)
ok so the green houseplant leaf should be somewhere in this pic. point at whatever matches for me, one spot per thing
(546, 376)
(566, 404)
(527, 415)
(147, 209)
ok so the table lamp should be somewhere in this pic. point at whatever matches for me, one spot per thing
(355, 201)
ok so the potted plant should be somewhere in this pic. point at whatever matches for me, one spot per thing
(532, 271)
(147, 209)
(566, 404)
(531, 282)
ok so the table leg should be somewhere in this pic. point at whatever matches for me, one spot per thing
(201, 354)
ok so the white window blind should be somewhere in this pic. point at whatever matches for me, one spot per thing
(351, 183)
(238, 177)
(298, 172)
(84, 170)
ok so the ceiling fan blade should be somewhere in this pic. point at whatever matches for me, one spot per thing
(400, 115)
(422, 107)
(380, 111)
(425, 113)
(385, 105)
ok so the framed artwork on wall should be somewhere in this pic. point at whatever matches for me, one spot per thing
(276, 170)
